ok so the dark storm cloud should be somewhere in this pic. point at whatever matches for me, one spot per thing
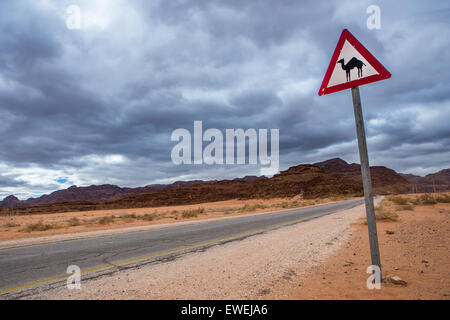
(98, 105)
(9, 182)
(25, 40)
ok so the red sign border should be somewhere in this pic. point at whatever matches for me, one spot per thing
(382, 72)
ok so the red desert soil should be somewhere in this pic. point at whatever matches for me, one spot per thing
(415, 248)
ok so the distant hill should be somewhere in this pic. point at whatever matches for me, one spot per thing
(91, 194)
(314, 182)
(384, 180)
(439, 181)
(334, 177)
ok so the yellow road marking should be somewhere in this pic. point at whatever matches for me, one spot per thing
(153, 255)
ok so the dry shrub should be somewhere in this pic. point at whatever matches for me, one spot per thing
(11, 225)
(383, 214)
(106, 220)
(189, 214)
(425, 200)
(128, 217)
(398, 200)
(39, 226)
(288, 205)
(253, 207)
(192, 213)
(444, 198)
(131, 217)
(74, 222)
(227, 210)
(147, 217)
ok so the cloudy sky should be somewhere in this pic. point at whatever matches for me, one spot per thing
(98, 105)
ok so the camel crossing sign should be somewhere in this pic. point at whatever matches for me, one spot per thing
(351, 66)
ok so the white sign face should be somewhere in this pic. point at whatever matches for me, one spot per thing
(350, 66)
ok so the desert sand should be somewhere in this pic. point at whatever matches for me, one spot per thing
(415, 248)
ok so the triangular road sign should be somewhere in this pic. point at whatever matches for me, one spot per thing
(351, 66)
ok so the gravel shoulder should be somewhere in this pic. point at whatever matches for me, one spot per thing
(253, 268)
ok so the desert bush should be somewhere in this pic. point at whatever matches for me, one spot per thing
(106, 220)
(308, 202)
(189, 214)
(39, 226)
(284, 205)
(253, 207)
(128, 217)
(11, 225)
(192, 213)
(74, 222)
(226, 210)
(426, 200)
(147, 217)
(444, 198)
(287, 204)
(132, 217)
(383, 214)
(292, 204)
(398, 200)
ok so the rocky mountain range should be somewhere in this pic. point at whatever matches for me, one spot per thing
(333, 177)
(439, 181)
(384, 180)
(92, 193)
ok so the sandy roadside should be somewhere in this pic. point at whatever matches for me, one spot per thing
(416, 248)
(253, 268)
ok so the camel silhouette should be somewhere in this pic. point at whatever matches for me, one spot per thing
(350, 65)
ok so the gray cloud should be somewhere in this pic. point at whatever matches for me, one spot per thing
(98, 105)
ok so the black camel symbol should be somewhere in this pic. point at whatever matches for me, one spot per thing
(350, 65)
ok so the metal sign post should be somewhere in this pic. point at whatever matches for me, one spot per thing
(351, 66)
(367, 183)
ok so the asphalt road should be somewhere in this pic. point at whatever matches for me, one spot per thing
(25, 266)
